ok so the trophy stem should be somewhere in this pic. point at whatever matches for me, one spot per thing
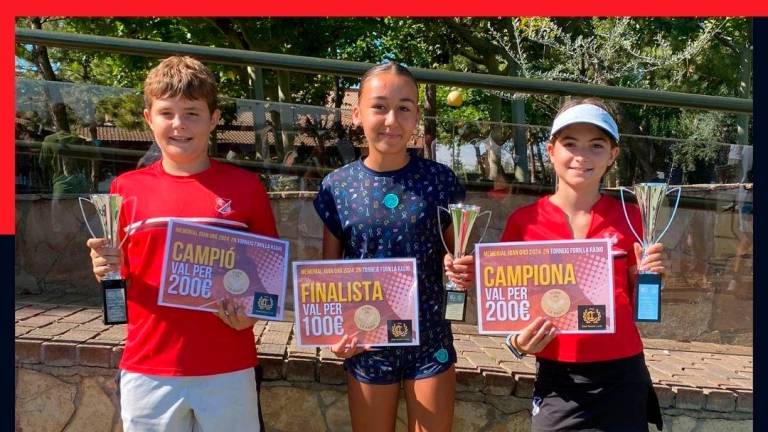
(112, 276)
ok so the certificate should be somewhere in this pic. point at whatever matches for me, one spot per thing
(569, 282)
(204, 264)
(375, 300)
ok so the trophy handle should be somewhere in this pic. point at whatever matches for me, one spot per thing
(626, 215)
(82, 211)
(132, 220)
(674, 210)
(440, 227)
(487, 223)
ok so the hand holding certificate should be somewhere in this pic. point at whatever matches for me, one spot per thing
(204, 265)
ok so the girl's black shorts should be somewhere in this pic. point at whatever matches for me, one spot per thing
(615, 395)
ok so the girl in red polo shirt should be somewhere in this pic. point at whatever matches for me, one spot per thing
(587, 381)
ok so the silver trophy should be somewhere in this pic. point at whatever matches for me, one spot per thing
(650, 197)
(108, 207)
(463, 218)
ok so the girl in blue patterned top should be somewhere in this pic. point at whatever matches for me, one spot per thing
(385, 206)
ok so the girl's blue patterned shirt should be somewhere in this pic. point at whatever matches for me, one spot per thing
(393, 214)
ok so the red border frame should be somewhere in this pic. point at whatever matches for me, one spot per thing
(7, 135)
(586, 8)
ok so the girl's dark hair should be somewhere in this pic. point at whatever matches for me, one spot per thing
(391, 67)
(588, 101)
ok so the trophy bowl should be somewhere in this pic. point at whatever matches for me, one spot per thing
(463, 217)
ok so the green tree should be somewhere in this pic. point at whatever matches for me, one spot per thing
(703, 56)
(688, 55)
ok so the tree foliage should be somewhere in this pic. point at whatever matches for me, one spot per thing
(703, 56)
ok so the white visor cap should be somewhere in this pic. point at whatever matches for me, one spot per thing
(586, 113)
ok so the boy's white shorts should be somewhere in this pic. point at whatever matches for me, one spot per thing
(222, 402)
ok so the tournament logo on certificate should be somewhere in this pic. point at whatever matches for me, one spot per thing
(569, 282)
(591, 317)
(204, 264)
(375, 300)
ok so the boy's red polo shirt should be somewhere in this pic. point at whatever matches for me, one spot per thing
(164, 340)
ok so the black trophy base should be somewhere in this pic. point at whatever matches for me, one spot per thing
(114, 309)
(455, 306)
(648, 297)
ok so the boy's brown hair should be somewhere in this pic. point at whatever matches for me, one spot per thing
(181, 76)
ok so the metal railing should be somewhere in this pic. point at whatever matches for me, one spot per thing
(305, 64)
(349, 68)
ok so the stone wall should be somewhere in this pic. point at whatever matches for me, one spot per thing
(81, 399)
(66, 360)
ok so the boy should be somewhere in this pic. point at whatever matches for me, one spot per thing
(183, 370)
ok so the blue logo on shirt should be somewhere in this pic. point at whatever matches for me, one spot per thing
(441, 355)
(391, 200)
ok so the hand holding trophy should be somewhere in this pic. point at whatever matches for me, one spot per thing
(108, 207)
(463, 218)
(650, 197)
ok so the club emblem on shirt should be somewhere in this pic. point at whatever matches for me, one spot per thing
(391, 200)
(223, 206)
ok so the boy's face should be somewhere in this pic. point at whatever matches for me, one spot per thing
(581, 154)
(181, 128)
